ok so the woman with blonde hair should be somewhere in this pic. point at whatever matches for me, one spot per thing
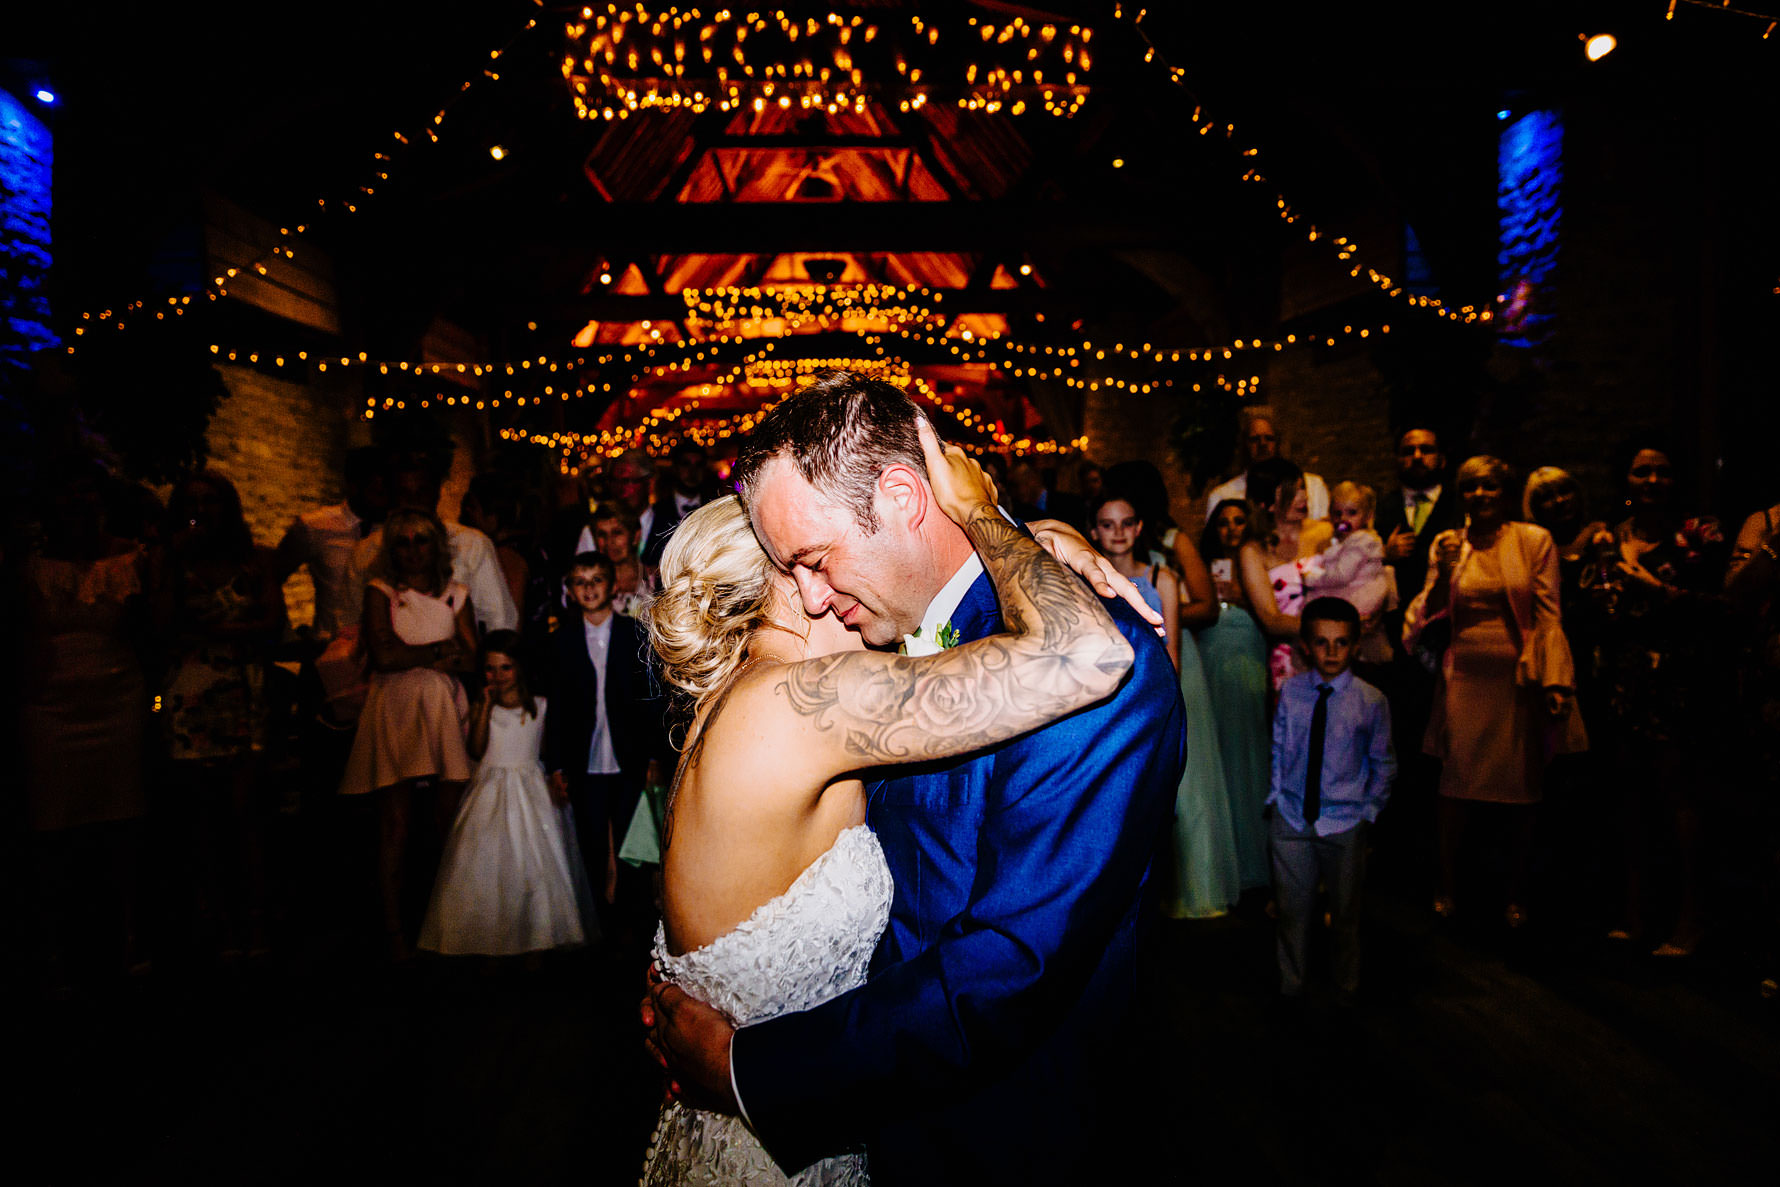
(775, 889)
(419, 630)
(1505, 702)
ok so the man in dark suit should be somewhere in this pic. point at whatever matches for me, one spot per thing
(1409, 518)
(1030, 496)
(688, 487)
(604, 727)
(1418, 510)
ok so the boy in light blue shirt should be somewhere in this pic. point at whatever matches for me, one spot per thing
(1332, 771)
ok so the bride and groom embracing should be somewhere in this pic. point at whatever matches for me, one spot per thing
(901, 893)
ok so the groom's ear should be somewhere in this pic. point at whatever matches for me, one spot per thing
(904, 489)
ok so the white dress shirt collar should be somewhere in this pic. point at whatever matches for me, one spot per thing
(945, 603)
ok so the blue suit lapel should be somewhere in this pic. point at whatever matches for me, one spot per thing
(979, 614)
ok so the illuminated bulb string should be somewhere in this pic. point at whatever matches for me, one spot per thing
(382, 162)
(1767, 18)
(624, 60)
(1345, 249)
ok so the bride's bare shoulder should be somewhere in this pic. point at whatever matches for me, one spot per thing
(749, 729)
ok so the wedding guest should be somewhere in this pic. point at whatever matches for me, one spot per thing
(1752, 581)
(1410, 516)
(1351, 567)
(604, 736)
(1163, 542)
(1419, 509)
(613, 534)
(1034, 496)
(509, 881)
(1662, 635)
(1332, 769)
(324, 540)
(1553, 500)
(1116, 529)
(1091, 478)
(1504, 703)
(414, 483)
(1258, 441)
(629, 486)
(1202, 877)
(1234, 652)
(686, 486)
(223, 606)
(1269, 563)
(493, 506)
(419, 628)
(82, 724)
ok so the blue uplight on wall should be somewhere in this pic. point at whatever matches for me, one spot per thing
(1529, 208)
(26, 163)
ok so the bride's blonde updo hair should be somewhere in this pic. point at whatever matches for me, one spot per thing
(716, 591)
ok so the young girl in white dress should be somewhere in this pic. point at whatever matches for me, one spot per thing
(510, 880)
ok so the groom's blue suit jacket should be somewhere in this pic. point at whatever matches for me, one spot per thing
(979, 1049)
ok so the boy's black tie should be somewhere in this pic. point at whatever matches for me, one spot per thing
(1313, 770)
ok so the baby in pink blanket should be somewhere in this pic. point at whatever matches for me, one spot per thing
(1352, 566)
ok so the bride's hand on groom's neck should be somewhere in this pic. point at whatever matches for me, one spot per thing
(959, 485)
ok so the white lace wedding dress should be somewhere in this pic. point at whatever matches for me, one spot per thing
(811, 943)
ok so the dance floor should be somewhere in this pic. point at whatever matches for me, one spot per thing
(1471, 1060)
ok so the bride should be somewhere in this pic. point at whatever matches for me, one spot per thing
(775, 890)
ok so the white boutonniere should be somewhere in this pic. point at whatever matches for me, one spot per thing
(945, 636)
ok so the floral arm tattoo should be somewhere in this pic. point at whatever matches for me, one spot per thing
(1062, 652)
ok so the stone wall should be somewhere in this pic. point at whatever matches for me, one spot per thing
(1334, 419)
(282, 444)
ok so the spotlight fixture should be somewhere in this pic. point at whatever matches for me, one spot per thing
(497, 152)
(1503, 114)
(1599, 46)
(45, 95)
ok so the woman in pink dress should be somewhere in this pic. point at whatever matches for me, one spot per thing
(420, 630)
(1505, 702)
(1269, 563)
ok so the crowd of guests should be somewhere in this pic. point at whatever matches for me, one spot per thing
(1431, 660)
(1517, 646)
(170, 714)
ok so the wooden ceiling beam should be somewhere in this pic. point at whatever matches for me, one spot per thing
(673, 228)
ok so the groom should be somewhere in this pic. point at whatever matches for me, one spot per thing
(986, 1045)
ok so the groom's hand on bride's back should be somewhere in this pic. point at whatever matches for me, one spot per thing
(690, 1040)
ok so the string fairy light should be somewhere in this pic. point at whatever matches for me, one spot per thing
(382, 162)
(1768, 19)
(1344, 249)
(619, 61)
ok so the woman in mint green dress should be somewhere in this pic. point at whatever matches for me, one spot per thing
(1202, 875)
(1234, 652)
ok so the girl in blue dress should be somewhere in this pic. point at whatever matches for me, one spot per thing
(1202, 880)
(1234, 651)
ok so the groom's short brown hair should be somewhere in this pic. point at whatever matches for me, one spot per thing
(841, 432)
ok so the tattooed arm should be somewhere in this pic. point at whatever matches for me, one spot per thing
(1061, 652)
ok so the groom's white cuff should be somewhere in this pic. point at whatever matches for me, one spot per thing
(735, 1091)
